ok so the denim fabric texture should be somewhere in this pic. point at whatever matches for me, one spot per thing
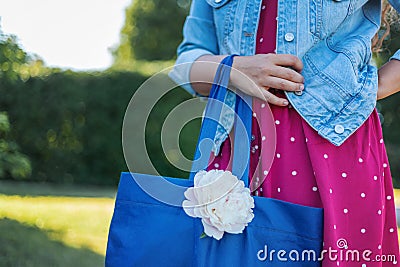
(332, 38)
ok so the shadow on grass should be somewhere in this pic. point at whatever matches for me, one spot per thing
(22, 245)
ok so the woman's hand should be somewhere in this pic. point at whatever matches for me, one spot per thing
(389, 79)
(267, 71)
(254, 75)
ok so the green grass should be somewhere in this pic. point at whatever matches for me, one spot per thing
(45, 225)
(23, 245)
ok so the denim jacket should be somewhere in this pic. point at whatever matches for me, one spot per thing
(331, 37)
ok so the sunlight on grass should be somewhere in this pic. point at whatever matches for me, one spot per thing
(75, 221)
(397, 197)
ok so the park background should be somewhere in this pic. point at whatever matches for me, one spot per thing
(60, 137)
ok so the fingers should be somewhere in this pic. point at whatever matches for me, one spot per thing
(257, 73)
(273, 99)
(283, 73)
(287, 74)
(288, 61)
(279, 83)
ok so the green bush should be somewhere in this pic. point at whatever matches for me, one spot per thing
(13, 164)
(69, 124)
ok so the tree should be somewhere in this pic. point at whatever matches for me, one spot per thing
(12, 57)
(13, 164)
(152, 30)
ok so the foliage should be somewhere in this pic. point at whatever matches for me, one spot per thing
(12, 163)
(12, 57)
(152, 30)
(390, 110)
(69, 124)
(16, 64)
(143, 67)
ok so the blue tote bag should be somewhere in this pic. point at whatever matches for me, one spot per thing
(150, 228)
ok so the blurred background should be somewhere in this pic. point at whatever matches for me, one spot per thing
(68, 70)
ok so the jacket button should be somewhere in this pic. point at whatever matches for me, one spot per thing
(289, 37)
(299, 93)
(339, 128)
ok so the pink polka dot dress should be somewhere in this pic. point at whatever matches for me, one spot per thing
(352, 182)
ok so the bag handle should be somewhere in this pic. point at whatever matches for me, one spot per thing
(243, 116)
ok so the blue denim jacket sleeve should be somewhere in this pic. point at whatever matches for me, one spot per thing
(396, 5)
(199, 38)
(396, 55)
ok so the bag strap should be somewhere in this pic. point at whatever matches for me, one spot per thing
(242, 134)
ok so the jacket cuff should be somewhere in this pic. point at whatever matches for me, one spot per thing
(180, 74)
(396, 55)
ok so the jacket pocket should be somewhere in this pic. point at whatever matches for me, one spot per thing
(356, 49)
(326, 16)
(337, 72)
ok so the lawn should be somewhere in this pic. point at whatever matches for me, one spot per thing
(44, 225)
(60, 226)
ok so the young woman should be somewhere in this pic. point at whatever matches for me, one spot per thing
(310, 61)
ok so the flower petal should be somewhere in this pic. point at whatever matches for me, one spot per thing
(189, 194)
(236, 228)
(222, 202)
(199, 177)
(212, 231)
(188, 208)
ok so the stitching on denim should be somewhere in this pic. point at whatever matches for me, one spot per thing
(348, 53)
(326, 78)
(367, 16)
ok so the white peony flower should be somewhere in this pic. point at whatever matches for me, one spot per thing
(222, 202)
